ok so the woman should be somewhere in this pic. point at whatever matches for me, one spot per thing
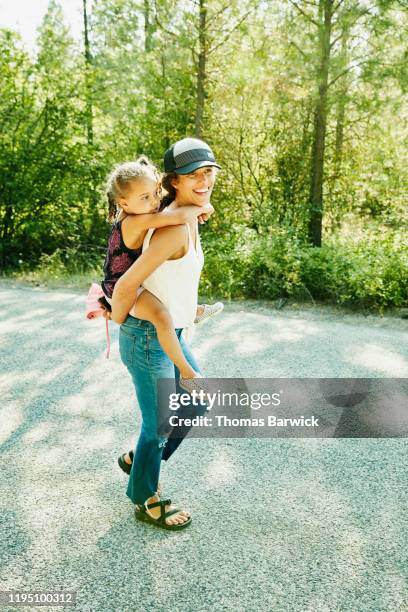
(170, 268)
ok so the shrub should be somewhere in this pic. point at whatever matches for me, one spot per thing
(227, 263)
(275, 267)
(325, 272)
(368, 269)
(64, 264)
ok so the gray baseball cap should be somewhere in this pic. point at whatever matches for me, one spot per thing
(188, 155)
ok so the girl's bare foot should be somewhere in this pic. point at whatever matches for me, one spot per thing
(200, 310)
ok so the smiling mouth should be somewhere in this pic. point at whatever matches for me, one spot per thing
(201, 191)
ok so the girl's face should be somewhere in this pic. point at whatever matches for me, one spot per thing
(195, 188)
(142, 196)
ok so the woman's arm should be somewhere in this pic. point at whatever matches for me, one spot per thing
(167, 241)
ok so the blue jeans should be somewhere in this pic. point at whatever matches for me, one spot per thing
(146, 361)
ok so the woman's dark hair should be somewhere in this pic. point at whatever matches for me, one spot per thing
(168, 187)
(119, 180)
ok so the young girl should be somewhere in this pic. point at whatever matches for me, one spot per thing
(133, 192)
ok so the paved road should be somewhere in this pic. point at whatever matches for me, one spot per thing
(280, 525)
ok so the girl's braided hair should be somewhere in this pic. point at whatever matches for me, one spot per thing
(122, 175)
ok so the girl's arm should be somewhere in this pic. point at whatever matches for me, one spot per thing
(179, 216)
(167, 241)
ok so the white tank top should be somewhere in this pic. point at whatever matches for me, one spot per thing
(175, 281)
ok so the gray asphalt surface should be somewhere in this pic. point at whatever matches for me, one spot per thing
(297, 525)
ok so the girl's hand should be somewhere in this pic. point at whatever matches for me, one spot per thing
(206, 212)
(193, 212)
(203, 218)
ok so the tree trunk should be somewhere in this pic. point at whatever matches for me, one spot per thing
(320, 121)
(166, 135)
(6, 234)
(148, 27)
(88, 64)
(341, 107)
(201, 76)
(338, 145)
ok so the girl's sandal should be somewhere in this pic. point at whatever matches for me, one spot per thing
(142, 515)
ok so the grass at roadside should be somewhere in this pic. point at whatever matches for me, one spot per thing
(41, 278)
(79, 283)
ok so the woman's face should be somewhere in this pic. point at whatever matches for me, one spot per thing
(195, 188)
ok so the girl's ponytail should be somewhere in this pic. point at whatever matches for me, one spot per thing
(112, 207)
(144, 161)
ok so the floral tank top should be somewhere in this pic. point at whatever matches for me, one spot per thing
(118, 259)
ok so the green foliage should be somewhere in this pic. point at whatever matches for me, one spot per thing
(69, 261)
(371, 272)
(48, 173)
(246, 265)
(367, 271)
(276, 264)
(227, 262)
(137, 92)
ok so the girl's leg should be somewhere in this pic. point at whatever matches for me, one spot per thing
(149, 308)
